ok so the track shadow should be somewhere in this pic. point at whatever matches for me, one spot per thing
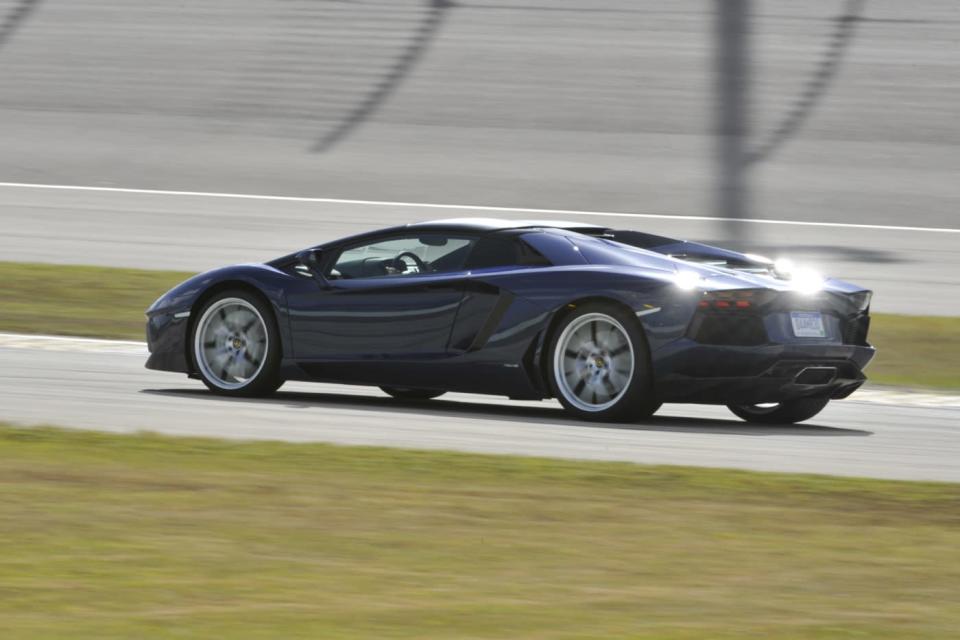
(17, 16)
(546, 415)
(402, 67)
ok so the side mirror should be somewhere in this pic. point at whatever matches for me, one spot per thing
(309, 260)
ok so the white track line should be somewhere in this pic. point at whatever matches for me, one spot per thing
(906, 398)
(69, 343)
(889, 396)
(469, 207)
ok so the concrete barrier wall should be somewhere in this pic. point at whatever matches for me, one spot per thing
(599, 104)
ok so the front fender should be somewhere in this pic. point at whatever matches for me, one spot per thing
(169, 317)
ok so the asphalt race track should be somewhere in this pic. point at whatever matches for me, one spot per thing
(103, 385)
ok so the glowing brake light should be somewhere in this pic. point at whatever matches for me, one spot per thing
(737, 299)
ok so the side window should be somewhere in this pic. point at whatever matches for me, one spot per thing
(503, 251)
(402, 256)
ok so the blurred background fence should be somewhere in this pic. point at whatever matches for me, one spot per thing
(604, 104)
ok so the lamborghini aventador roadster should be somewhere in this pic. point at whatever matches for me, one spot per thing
(611, 323)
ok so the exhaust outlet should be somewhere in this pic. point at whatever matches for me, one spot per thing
(816, 375)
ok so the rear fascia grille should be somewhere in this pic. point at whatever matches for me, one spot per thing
(729, 329)
(855, 330)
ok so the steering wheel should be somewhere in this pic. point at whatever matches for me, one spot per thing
(401, 266)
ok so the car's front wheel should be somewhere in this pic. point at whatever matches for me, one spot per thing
(787, 412)
(599, 365)
(236, 345)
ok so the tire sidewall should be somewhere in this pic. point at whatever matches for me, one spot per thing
(267, 379)
(639, 400)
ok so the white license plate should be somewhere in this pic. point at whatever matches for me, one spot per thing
(807, 324)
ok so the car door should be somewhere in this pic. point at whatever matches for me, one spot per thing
(393, 297)
(485, 302)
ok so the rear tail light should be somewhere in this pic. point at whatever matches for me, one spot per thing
(733, 300)
(861, 300)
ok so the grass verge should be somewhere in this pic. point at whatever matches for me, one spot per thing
(916, 351)
(95, 302)
(109, 303)
(110, 536)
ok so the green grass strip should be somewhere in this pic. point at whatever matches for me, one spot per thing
(109, 303)
(111, 536)
(96, 302)
(916, 351)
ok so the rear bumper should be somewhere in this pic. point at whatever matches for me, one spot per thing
(692, 372)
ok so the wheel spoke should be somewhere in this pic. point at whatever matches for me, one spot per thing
(225, 369)
(617, 379)
(233, 321)
(610, 387)
(621, 349)
(578, 390)
(219, 358)
(242, 368)
(610, 338)
(580, 342)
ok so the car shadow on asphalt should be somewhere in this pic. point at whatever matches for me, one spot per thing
(546, 415)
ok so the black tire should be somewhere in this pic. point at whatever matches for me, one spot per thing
(787, 412)
(580, 381)
(252, 319)
(403, 393)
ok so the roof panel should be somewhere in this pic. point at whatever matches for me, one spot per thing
(499, 224)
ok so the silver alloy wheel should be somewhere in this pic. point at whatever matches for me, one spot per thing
(593, 362)
(231, 343)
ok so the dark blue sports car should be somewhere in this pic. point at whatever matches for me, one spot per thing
(611, 323)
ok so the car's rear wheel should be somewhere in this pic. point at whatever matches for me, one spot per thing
(787, 412)
(599, 365)
(236, 345)
(404, 393)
